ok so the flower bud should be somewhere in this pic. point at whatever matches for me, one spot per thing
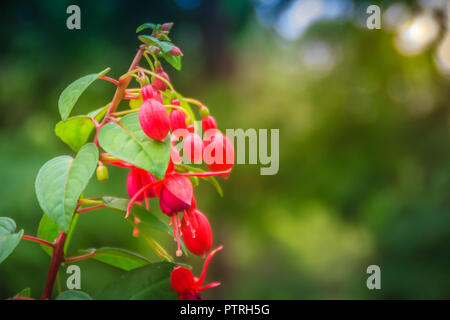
(177, 120)
(218, 152)
(204, 111)
(186, 285)
(175, 51)
(176, 194)
(182, 279)
(154, 119)
(158, 84)
(147, 92)
(193, 148)
(167, 26)
(102, 173)
(208, 122)
(138, 178)
(196, 231)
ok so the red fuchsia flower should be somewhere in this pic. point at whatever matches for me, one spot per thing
(177, 120)
(148, 92)
(138, 178)
(209, 122)
(196, 231)
(189, 287)
(193, 148)
(176, 194)
(154, 119)
(175, 51)
(218, 152)
(158, 84)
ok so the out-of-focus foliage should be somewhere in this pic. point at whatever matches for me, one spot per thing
(364, 146)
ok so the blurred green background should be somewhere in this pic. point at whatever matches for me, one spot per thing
(364, 139)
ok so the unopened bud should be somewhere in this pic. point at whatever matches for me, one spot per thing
(102, 173)
(167, 26)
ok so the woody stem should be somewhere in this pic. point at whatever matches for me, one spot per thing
(120, 91)
(57, 259)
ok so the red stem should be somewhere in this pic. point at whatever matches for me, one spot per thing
(82, 257)
(39, 240)
(90, 208)
(110, 80)
(57, 259)
(120, 91)
(206, 173)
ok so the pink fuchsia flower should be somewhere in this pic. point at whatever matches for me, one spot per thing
(196, 231)
(189, 287)
(138, 178)
(218, 151)
(154, 119)
(193, 147)
(177, 120)
(176, 194)
(158, 84)
(175, 51)
(209, 122)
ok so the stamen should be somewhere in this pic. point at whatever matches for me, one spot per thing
(179, 253)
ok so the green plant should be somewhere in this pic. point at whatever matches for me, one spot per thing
(141, 143)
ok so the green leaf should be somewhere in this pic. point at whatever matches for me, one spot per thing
(47, 230)
(150, 40)
(129, 143)
(145, 26)
(70, 95)
(145, 283)
(165, 46)
(119, 258)
(73, 295)
(147, 217)
(8, 239)
(175, 61)
(150, 221)
(76, 130)
(119, 204)
(26, 293)
(61, 181)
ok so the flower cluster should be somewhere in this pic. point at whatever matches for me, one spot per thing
(159, 122)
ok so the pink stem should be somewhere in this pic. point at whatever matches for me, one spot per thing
(110, 80)
(39, 240)
(206, 173)
(82, 257)
(90, 208)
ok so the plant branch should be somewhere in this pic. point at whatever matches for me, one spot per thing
(57, 259)
(90, 208)
(38, 240)
(79, 258)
